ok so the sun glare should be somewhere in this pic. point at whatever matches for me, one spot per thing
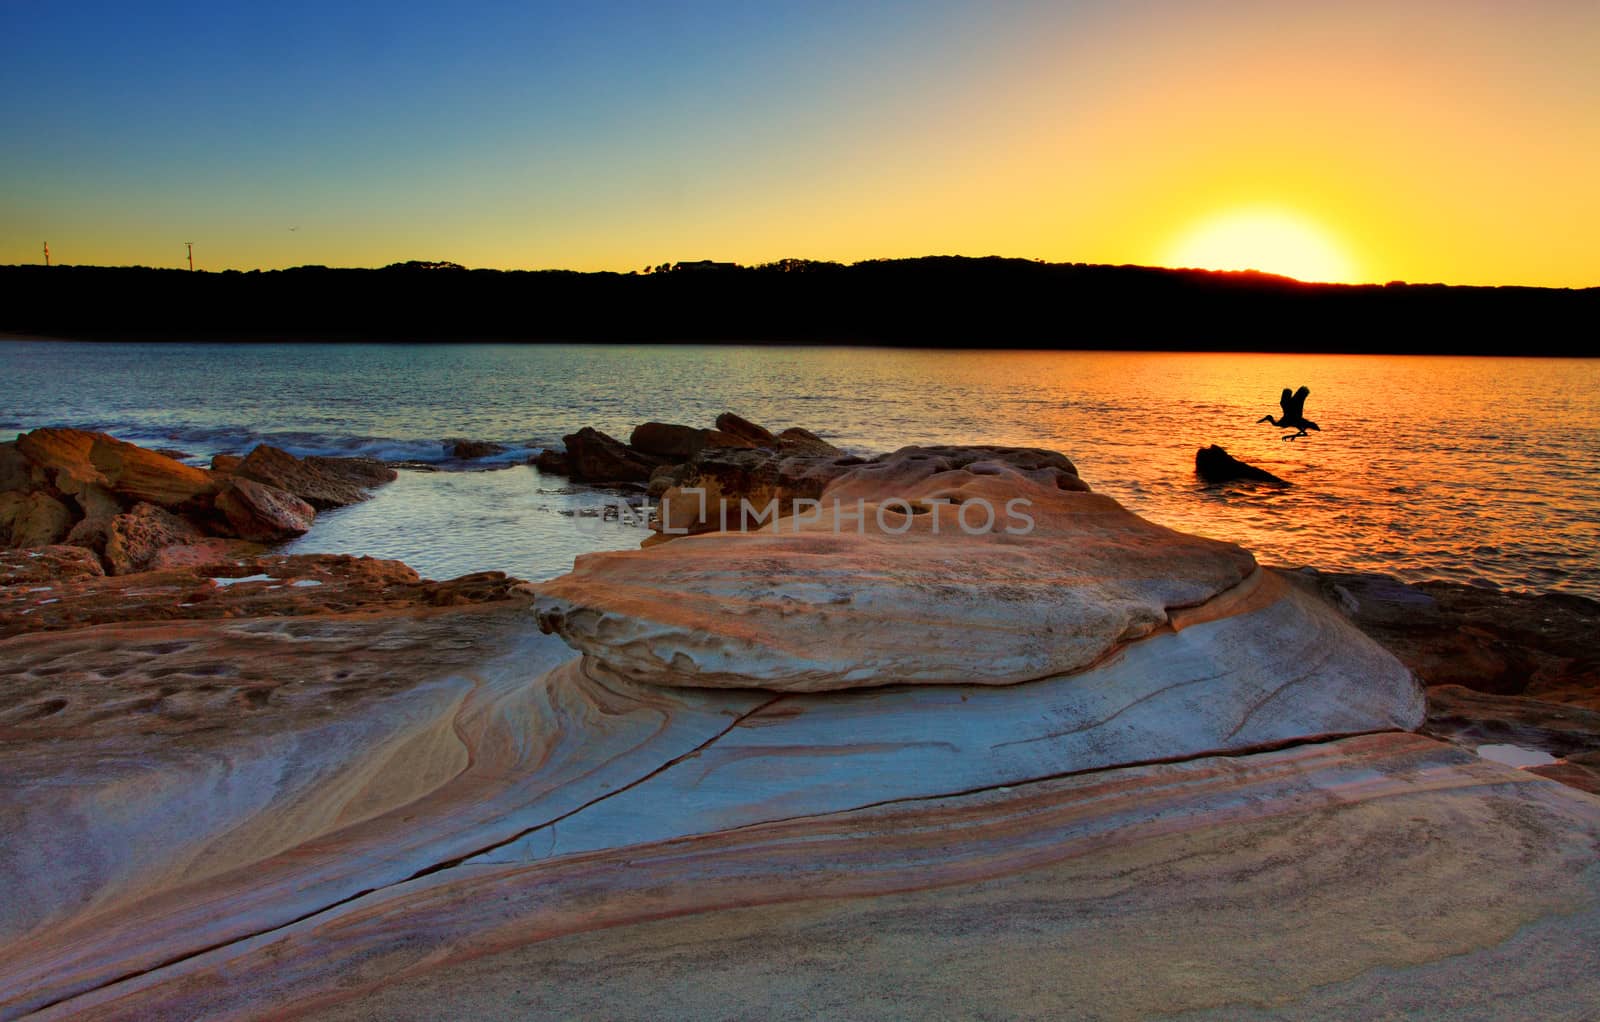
(1269, 240)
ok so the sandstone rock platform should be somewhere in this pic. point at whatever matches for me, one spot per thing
(1119, 773)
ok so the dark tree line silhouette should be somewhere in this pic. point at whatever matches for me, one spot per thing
(934, 301)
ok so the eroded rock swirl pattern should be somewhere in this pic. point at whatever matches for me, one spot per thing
(795, 772)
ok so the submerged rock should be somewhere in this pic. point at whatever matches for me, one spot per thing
(552, 461)
(1215, 465)
(471, 450)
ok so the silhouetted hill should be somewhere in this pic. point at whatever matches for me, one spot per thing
(935, 301)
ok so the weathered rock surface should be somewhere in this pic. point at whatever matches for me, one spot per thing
(1055, 580)
(135, 474)
(68, 461)
(1255, 669)
(263, 513)
(47, 564)
(72, 593)
(1569, 733)
(140, 510)
(1538, 645)
(134, 540)
(1216, 465)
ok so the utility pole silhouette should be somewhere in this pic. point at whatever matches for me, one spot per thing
(47, 253)
(190, 246)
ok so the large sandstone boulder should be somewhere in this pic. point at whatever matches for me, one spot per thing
(594, 457)
(32, 519)
(133, 541)
(986, 574)
(63, 455)
(136, 474)
(266, 514)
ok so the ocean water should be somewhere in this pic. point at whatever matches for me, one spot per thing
(1477, 470)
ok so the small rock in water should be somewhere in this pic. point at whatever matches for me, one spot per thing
(471, 450)
(1215, 465)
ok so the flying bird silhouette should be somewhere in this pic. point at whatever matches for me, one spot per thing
(1294, 417)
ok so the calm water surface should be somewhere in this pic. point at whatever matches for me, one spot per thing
(1479, 470)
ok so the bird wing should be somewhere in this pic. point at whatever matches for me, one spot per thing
(1283, 402)
(1295, 406)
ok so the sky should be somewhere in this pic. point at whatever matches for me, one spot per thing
(1454, 142)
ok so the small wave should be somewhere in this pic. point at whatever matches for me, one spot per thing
(202, 442)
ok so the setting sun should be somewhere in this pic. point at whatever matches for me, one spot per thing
(1269, 240)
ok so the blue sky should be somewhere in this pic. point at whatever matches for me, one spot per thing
(606, 135)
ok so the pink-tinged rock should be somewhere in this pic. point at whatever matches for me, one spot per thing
(134, 540)
(32, 519)
(263, 513)
(47, 564)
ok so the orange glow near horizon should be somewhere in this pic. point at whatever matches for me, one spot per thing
(1431, 142)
